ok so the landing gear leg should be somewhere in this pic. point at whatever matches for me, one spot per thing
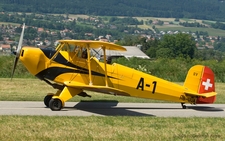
(84, 94)
(183, 106)
(57, 102)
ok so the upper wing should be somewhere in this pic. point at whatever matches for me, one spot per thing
(103, 89)
(94, 44)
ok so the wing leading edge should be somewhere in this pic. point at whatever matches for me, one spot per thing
(94, 44)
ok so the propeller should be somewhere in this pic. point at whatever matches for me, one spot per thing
(17, 53)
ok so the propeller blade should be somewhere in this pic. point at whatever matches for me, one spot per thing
(18, 51)
(20, 42)
(14, 66)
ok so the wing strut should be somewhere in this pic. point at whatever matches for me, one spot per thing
(89, 65)
(106, 82)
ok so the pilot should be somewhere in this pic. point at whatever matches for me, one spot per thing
(84, 54)
(109, 60)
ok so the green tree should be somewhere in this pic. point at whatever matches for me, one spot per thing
(177, 20)
(129, 40)
(1, 38)
(180, 45)
(151, 52)
(164, 53)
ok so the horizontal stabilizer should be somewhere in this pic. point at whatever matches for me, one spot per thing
(102, 89)
(205, 95)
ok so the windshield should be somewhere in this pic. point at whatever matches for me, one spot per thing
(73, 50)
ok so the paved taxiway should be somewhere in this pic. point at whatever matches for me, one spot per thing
(112, 109)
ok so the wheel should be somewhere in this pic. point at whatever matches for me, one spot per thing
(55, 104)
(47, 100)
(183, 106)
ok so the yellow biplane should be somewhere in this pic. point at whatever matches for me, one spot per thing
(72, 69)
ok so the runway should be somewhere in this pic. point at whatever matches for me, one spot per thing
(112, 109)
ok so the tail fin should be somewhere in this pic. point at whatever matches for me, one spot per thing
(200, 79)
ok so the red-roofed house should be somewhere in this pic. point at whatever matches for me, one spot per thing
(40, 29)
(5, 48)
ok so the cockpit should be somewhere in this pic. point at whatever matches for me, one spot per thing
(76, 50)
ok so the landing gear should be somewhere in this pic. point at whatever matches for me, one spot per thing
(183, 106)
(55, 104)
(57, 101)
(47, 100)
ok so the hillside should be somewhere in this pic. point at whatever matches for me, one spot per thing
(196, 9)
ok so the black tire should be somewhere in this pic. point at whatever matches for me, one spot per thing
(183, 106)
(55, 104)
(47, 100)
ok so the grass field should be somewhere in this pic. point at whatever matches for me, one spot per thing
(126, 128)
(119, 128)
(175, 27)
(7, 23)
(211, 31)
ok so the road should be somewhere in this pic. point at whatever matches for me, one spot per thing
(112, 109)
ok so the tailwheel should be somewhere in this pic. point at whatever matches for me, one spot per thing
(183, 106)
(47, 100)
(55, 104)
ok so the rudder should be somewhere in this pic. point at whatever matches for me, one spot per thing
(201, 80)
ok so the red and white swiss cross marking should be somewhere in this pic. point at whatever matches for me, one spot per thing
(207, 84)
